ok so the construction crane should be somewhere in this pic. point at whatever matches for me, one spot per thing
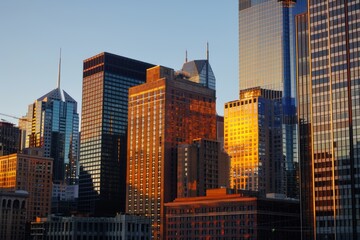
(18, 118)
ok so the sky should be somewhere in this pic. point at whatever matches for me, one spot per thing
(157, 31)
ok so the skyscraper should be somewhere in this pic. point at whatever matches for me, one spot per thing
(334, 118)
(163, 112)
(106, 80)
(53, 125)
(262, 33)
(267, 60)
(253, 141)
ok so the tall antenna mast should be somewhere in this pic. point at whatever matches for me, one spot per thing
(207, 64)
(186, 58)
(207, 51)
(58, 81)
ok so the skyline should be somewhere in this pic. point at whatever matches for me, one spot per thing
(82, 30)
(298, 142)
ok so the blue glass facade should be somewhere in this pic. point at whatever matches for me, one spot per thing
(53, 125)
(267, 59)
(106, 80)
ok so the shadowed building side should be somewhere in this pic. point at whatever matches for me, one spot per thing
(333, 91)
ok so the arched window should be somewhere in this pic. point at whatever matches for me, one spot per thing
(16, 204)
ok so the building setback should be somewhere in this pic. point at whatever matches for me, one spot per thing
(163, 112)
(106, 80)
(32, 173)
(253, 141)
(201, 165)
(330, 117)
(222, 215)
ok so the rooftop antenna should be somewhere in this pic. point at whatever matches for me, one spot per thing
(207, 64)
(58, 81)
(186, 57)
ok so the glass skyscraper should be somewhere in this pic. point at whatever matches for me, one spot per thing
(106, 80)
(53, 125)
(261, 44)
(201, 72)
(333, 97)
(267, 60)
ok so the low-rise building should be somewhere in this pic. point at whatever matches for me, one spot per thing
(222, 215)
(64, 199)
(120, 227)
(31, 172)
(13, 214)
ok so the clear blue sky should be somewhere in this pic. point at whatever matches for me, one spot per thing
(156, 31)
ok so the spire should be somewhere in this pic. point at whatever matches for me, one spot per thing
(58, 81)
(186, 58)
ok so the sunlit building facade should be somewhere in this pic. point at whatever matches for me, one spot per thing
(253, 141)
(106, 80)
(267, 59)
(333, 94)
(163, 112)
(52, 123)
(32, 173)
